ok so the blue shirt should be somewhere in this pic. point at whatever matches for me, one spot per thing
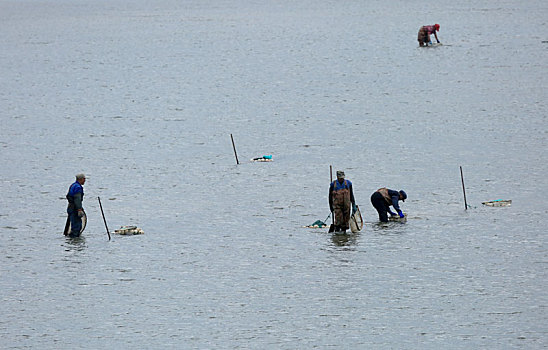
(75, 188)
(338, 186)
(75, 196)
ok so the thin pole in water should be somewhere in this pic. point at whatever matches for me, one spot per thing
(105, 220)
(463, 189)
(233, 146)
(332, 227)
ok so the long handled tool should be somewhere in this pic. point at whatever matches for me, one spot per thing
(356, 220)
(105, 220)
(332, 226)
(67, 225)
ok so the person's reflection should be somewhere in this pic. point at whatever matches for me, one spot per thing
(75, 243)
(342, 240)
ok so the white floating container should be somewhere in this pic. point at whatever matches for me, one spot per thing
(129, 231)
(498, 203)
(397, 218)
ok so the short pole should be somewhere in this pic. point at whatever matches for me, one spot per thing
(105, 220)
(463, 189)
(234, 147)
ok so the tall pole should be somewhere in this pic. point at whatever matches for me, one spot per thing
(236, 155)
(463, 189)
(105, 220)
(332, 228)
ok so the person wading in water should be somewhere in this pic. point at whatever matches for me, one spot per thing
(424, 34)
(383, 198)
(75, 196)
(340, 198)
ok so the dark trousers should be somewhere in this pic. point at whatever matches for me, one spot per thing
(75, 223)
(380, 204)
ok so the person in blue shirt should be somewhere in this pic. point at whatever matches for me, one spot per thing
(75, 196)
(383, 198)
(341, 196)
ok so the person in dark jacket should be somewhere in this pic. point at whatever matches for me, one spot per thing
(75, 196)
(383, 198)
(340, 198)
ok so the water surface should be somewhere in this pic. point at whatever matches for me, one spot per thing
(143, 97)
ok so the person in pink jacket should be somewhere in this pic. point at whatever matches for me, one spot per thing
(425, 32)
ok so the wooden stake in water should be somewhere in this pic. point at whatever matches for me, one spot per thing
(235, 154)
(463, 189)
(102, 213)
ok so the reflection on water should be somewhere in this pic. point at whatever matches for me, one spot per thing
(74, 243)
(347, 239)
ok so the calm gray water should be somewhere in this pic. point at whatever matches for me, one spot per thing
(142, 96)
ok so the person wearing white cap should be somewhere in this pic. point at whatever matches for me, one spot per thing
(75, 196)
(341, 196)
